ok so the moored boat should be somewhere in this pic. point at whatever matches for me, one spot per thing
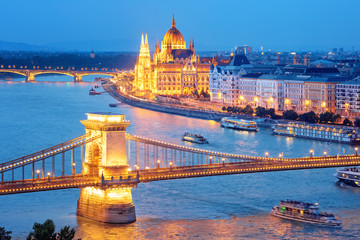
(195, 138)
(93, 92)
(349, 175)
(318, 132)
(305, 212)
(239, 124)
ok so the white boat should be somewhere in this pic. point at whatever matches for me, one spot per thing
(195, 138)
(305, 212)
(318, 132)
(350, 175)
(239, 124)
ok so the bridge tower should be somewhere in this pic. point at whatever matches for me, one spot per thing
(77, 78)
(30, 77)
(105, 158)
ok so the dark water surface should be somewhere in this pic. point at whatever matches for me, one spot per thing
(37, 115)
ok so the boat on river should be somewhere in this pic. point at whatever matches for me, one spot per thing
(239, 124)
(93, 92)
(305, 212)
(318, 132)
(349, 175)
(195, 138)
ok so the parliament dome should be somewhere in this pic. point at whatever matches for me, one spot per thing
(174, 38)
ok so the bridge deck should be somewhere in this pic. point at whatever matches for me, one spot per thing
(239, 168)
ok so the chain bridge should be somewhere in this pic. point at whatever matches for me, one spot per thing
(30, 74)
(106, 163)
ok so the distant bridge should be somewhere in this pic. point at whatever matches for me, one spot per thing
(112, 162)
(30, 74)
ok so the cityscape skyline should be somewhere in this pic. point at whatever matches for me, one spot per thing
(315, 25)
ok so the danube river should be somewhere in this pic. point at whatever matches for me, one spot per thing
(41, 114)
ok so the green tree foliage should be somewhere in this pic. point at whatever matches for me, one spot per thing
(43, 231)
(204, 94)
(357, 122)
(290, 115)
(66, 233)
(5, 235)
(328, 117)
(347, 122)
(309, 117)
(263, 112)
(248, 110)
(46, 231)
(260, 112)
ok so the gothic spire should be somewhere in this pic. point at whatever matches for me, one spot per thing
(142, 38)
(173, 21)
(146, 39)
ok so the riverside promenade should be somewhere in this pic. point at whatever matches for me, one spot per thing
(160, 107)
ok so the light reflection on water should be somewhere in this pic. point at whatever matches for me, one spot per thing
(42, 114)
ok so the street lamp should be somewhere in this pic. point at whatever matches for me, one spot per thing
(170, 165)
(280, 155)
(210, 159)
(158, 163)
(266, 154)
(311, 153)
(223, 160)
(73, 169)
(48, 174)
(356, 149)
(325, 153)
(38, 173)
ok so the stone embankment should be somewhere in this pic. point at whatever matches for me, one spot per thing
(166, 108)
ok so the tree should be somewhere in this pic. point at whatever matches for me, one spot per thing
(229, 109)
(271, 112)
(329, 117)
(5, 235)
(347, 122)
(223, 108)
(357, 122)
(248, 110)
(260, 112)
(66, 233)
(290, 115)
(43, 231)
(275, 116)
(310, 117)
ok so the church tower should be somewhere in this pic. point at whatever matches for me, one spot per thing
(143, 66)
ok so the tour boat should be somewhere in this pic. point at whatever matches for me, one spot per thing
(93, 92)
(239, 124)
(349, 175)
(195, 138)
(305, 212)
(318, 132)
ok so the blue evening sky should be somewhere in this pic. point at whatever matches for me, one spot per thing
(215, 25)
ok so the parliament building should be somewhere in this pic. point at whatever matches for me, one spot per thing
(173, 69)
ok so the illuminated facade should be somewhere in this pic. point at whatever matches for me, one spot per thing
(173, 69)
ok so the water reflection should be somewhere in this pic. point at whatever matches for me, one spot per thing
(42, 114)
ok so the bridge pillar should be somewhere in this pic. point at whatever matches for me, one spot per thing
(105, 158)
(77, 78)
(30, 77)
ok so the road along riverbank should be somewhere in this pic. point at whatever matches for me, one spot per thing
(111, 89)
